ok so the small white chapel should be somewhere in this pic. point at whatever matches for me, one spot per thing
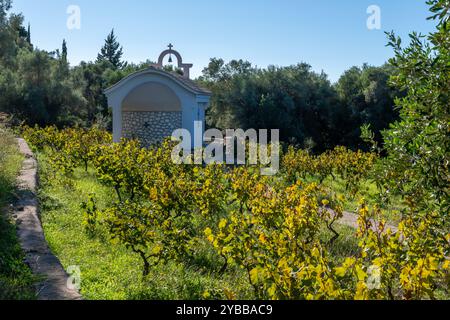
(151, 104)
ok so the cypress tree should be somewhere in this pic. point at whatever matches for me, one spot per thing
(64, 51)
(29, 34)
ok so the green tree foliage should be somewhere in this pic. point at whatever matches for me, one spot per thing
(5, 5)
(29, 34)
(303, 104)
(218, 71)
(12, 34)
(293, 99)
(366, 98)
(34, 84)
(418, 145)
(64, 52)
(40, 91)
(40, 87)
(112, 51)
(93, 79)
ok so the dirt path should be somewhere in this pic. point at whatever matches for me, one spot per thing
(351, 220)
(31, 235)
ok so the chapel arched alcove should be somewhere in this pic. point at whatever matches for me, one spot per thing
(151, 112)
(151, 96)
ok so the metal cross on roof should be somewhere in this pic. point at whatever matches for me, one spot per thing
(170, 46)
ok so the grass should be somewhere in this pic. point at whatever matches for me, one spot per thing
(346, 245)
(16, 279)
(111, 271)
(368, 191)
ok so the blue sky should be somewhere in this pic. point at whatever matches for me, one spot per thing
(331, 35)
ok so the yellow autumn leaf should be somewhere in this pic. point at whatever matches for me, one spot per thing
(222, 224)
(272, 291)
(360, 273)
(340, 271)
(262, 238)
(254, 275)
(446, 265)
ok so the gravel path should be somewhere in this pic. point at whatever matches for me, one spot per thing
(31, 235)
(351, 220)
